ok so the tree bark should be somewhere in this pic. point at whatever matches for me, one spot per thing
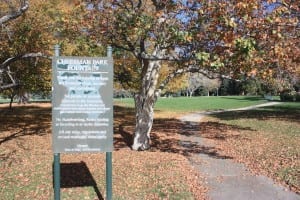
(144, 121)
(13, 94)
(17, 13)
(144, 105)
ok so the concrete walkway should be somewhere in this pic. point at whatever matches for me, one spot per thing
(226, 179)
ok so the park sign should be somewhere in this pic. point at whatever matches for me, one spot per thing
(82, 104)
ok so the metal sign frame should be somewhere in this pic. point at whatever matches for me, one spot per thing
(82, 105)
(82, 110)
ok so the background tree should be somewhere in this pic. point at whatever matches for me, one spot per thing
(25, 44)
(176, 86)
(27, 38)
(198, 80)
(10, 10)
(22, 41)
(194, 82)
(251, 87)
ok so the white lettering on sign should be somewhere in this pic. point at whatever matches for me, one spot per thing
(82, 104)
(69, 61)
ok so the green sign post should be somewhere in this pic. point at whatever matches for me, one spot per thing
(82, 109)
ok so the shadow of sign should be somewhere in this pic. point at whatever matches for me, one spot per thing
(78, 175)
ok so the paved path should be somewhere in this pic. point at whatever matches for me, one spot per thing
(196, 117)
(226, 179)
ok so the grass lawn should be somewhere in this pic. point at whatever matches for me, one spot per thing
(186, 104)
(4, 100)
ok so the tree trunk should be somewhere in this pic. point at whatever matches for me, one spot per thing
(11, 101)
(12, 96)
(144, 105)
(191, 94)
(144, 120)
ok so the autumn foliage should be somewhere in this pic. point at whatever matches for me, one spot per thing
(229, 39)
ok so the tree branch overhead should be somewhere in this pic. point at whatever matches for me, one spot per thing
(13, 15)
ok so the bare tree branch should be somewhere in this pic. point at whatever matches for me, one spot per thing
(20, 57)
(23, 7)
(4, 69)
(8, 86)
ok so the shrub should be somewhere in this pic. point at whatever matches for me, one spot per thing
(288, 95)
(298, 96)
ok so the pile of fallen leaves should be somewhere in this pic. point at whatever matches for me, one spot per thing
(26, 161)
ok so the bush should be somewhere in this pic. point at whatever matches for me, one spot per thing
(289, 95)
(298, 96)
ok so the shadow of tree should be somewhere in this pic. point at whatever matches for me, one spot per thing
(168, 140)
(220, 131)
(24, 121)
(123, 120)
(166, 135)
(282, 113)
(245, 98)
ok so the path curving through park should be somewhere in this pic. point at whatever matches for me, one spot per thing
(226, 179)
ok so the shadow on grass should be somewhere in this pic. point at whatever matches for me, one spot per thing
(244, 98)
(280, 112)
(78, 175)
(166, 134)
(24, 121)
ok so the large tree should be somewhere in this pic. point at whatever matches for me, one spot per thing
(28, 33)
(25, 37)
(10, 10)
(152, 31)
(228, 38)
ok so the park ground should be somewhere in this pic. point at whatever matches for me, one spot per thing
(265, 140)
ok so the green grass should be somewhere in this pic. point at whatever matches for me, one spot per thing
(186, 104)
(4, 100)
(280, 119)
(272, 140)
